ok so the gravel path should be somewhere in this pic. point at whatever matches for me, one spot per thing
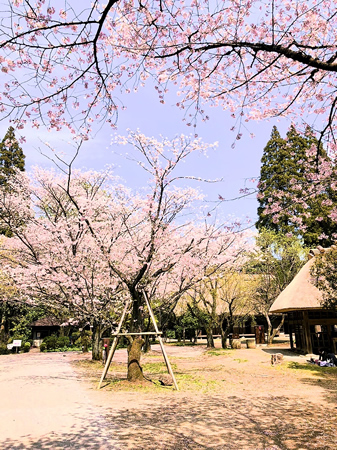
(43, 405)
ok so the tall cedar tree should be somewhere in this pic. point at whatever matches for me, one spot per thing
(11, 158)
(281, 164)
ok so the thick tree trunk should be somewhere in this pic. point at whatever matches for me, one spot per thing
(135, 372)
(210, 340)
(96, 342)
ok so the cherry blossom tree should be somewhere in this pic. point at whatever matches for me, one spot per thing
(222, 297)
(83, 240)
(53, 258)
(62, 64)
(65, 65)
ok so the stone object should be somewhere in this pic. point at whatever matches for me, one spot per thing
(250, 343)
(165, 380)
(236, 343)
(276, 359)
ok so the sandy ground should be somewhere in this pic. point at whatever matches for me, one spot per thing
(44, 405)
(227, 400)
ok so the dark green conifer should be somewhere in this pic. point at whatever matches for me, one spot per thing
(11, 156)
(283, 161)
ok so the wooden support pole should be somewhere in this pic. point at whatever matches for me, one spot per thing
(138, 334)
(168, 365)
(114, 346)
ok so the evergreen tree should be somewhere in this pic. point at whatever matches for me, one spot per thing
(11, 156)
(282, 163)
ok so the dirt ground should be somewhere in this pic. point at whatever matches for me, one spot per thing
(231, 399)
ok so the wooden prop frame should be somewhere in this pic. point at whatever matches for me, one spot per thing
(118, 334)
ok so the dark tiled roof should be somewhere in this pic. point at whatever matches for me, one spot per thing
(46, 322)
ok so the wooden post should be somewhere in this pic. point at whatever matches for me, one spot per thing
(306, 330)
(114, 346)
(291, 337)
(167, 362)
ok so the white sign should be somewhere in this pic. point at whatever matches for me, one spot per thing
(10, 346)
(17, 343)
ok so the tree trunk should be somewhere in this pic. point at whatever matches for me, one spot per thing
(96, 342)
(276, 330)
(184, 336)
(269, 330)
(226, 326)
(3, 323)
(224, 336)
(135, 372)
(210, 340)
(147, 344)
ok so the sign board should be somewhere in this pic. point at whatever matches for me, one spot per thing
(17, 343)
(10, 346)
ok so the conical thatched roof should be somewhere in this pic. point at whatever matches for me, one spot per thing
(301, 293)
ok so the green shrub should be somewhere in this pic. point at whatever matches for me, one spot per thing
(63, 341)
(3, 349)
(171, 334)
(43, 347)
(26, 347)
(63, 349)
(51, 342)
(84, 340)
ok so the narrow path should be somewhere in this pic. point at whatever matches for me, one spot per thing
(44, 406)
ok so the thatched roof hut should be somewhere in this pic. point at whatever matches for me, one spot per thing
(300, 294)
(313, 326)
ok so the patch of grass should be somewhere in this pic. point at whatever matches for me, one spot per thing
(90, 365)
(159, 367)
(218, 351)
(239, 360)
(192, 382)
(181, 344)
(313, 368)
(124, 385)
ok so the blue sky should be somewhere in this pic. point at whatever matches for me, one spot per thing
(144, 111)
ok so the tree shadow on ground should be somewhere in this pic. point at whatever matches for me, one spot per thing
(231, 423)
(284, 351)
(325, 377)
(200, 422)
(92, 435)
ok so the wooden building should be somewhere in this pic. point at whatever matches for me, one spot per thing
(311, 327)
(44, 327)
